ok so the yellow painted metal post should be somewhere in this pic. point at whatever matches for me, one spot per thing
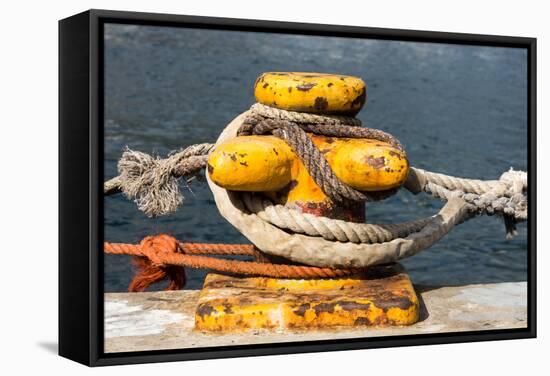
(265, 164)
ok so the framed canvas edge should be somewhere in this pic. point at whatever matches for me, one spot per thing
(74, 276)
(94, 317)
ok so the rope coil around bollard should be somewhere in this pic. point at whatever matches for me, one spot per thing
(153, 184)
(262, 120)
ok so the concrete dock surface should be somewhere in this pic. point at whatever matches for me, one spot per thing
(165, 319)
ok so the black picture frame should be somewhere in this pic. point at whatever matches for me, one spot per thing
(81, 186)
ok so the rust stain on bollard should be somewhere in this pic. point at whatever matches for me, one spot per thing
(383, 296)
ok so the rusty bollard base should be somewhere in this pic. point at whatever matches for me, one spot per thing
(383, 296)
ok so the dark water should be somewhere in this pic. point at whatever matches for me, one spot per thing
(460, 110)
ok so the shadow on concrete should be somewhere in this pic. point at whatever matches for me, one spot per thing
(51, 347)
(425, 288)
(423, 310)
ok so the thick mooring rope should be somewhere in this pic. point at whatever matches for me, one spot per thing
(326, 125)
(504, 197)
(152, 183)
(265, 120)
(328, 228)
(302, 117)
(312, 158)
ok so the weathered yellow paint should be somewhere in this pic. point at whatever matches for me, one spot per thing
(252, 163)
(364, 164)
(267, 163)
(311, 92)
(384, 296)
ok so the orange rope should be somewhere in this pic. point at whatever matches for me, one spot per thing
(217, 249)
(187, 248)
(157, 256)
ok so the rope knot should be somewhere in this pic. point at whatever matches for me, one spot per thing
(154, 264)
(157, 247)
(153, 182)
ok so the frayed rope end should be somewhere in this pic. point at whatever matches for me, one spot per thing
(152, 182)
(149, 182)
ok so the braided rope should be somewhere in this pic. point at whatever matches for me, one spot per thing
(328, 228)
(320, 252)
(384, 242)
(312, 158)
(326, 125)
(453, 183)
(153, 182)
(292, 126)
(317, 251)
(218, 249)
(164, 250)
(302, 117)
(502, 197)
(187, 248)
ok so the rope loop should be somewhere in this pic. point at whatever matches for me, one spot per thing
(261, 120)
(505, 197)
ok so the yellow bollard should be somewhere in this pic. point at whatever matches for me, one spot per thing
(383, 295)
(311, 92)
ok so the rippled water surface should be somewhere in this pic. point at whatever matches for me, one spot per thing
(460, 110)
